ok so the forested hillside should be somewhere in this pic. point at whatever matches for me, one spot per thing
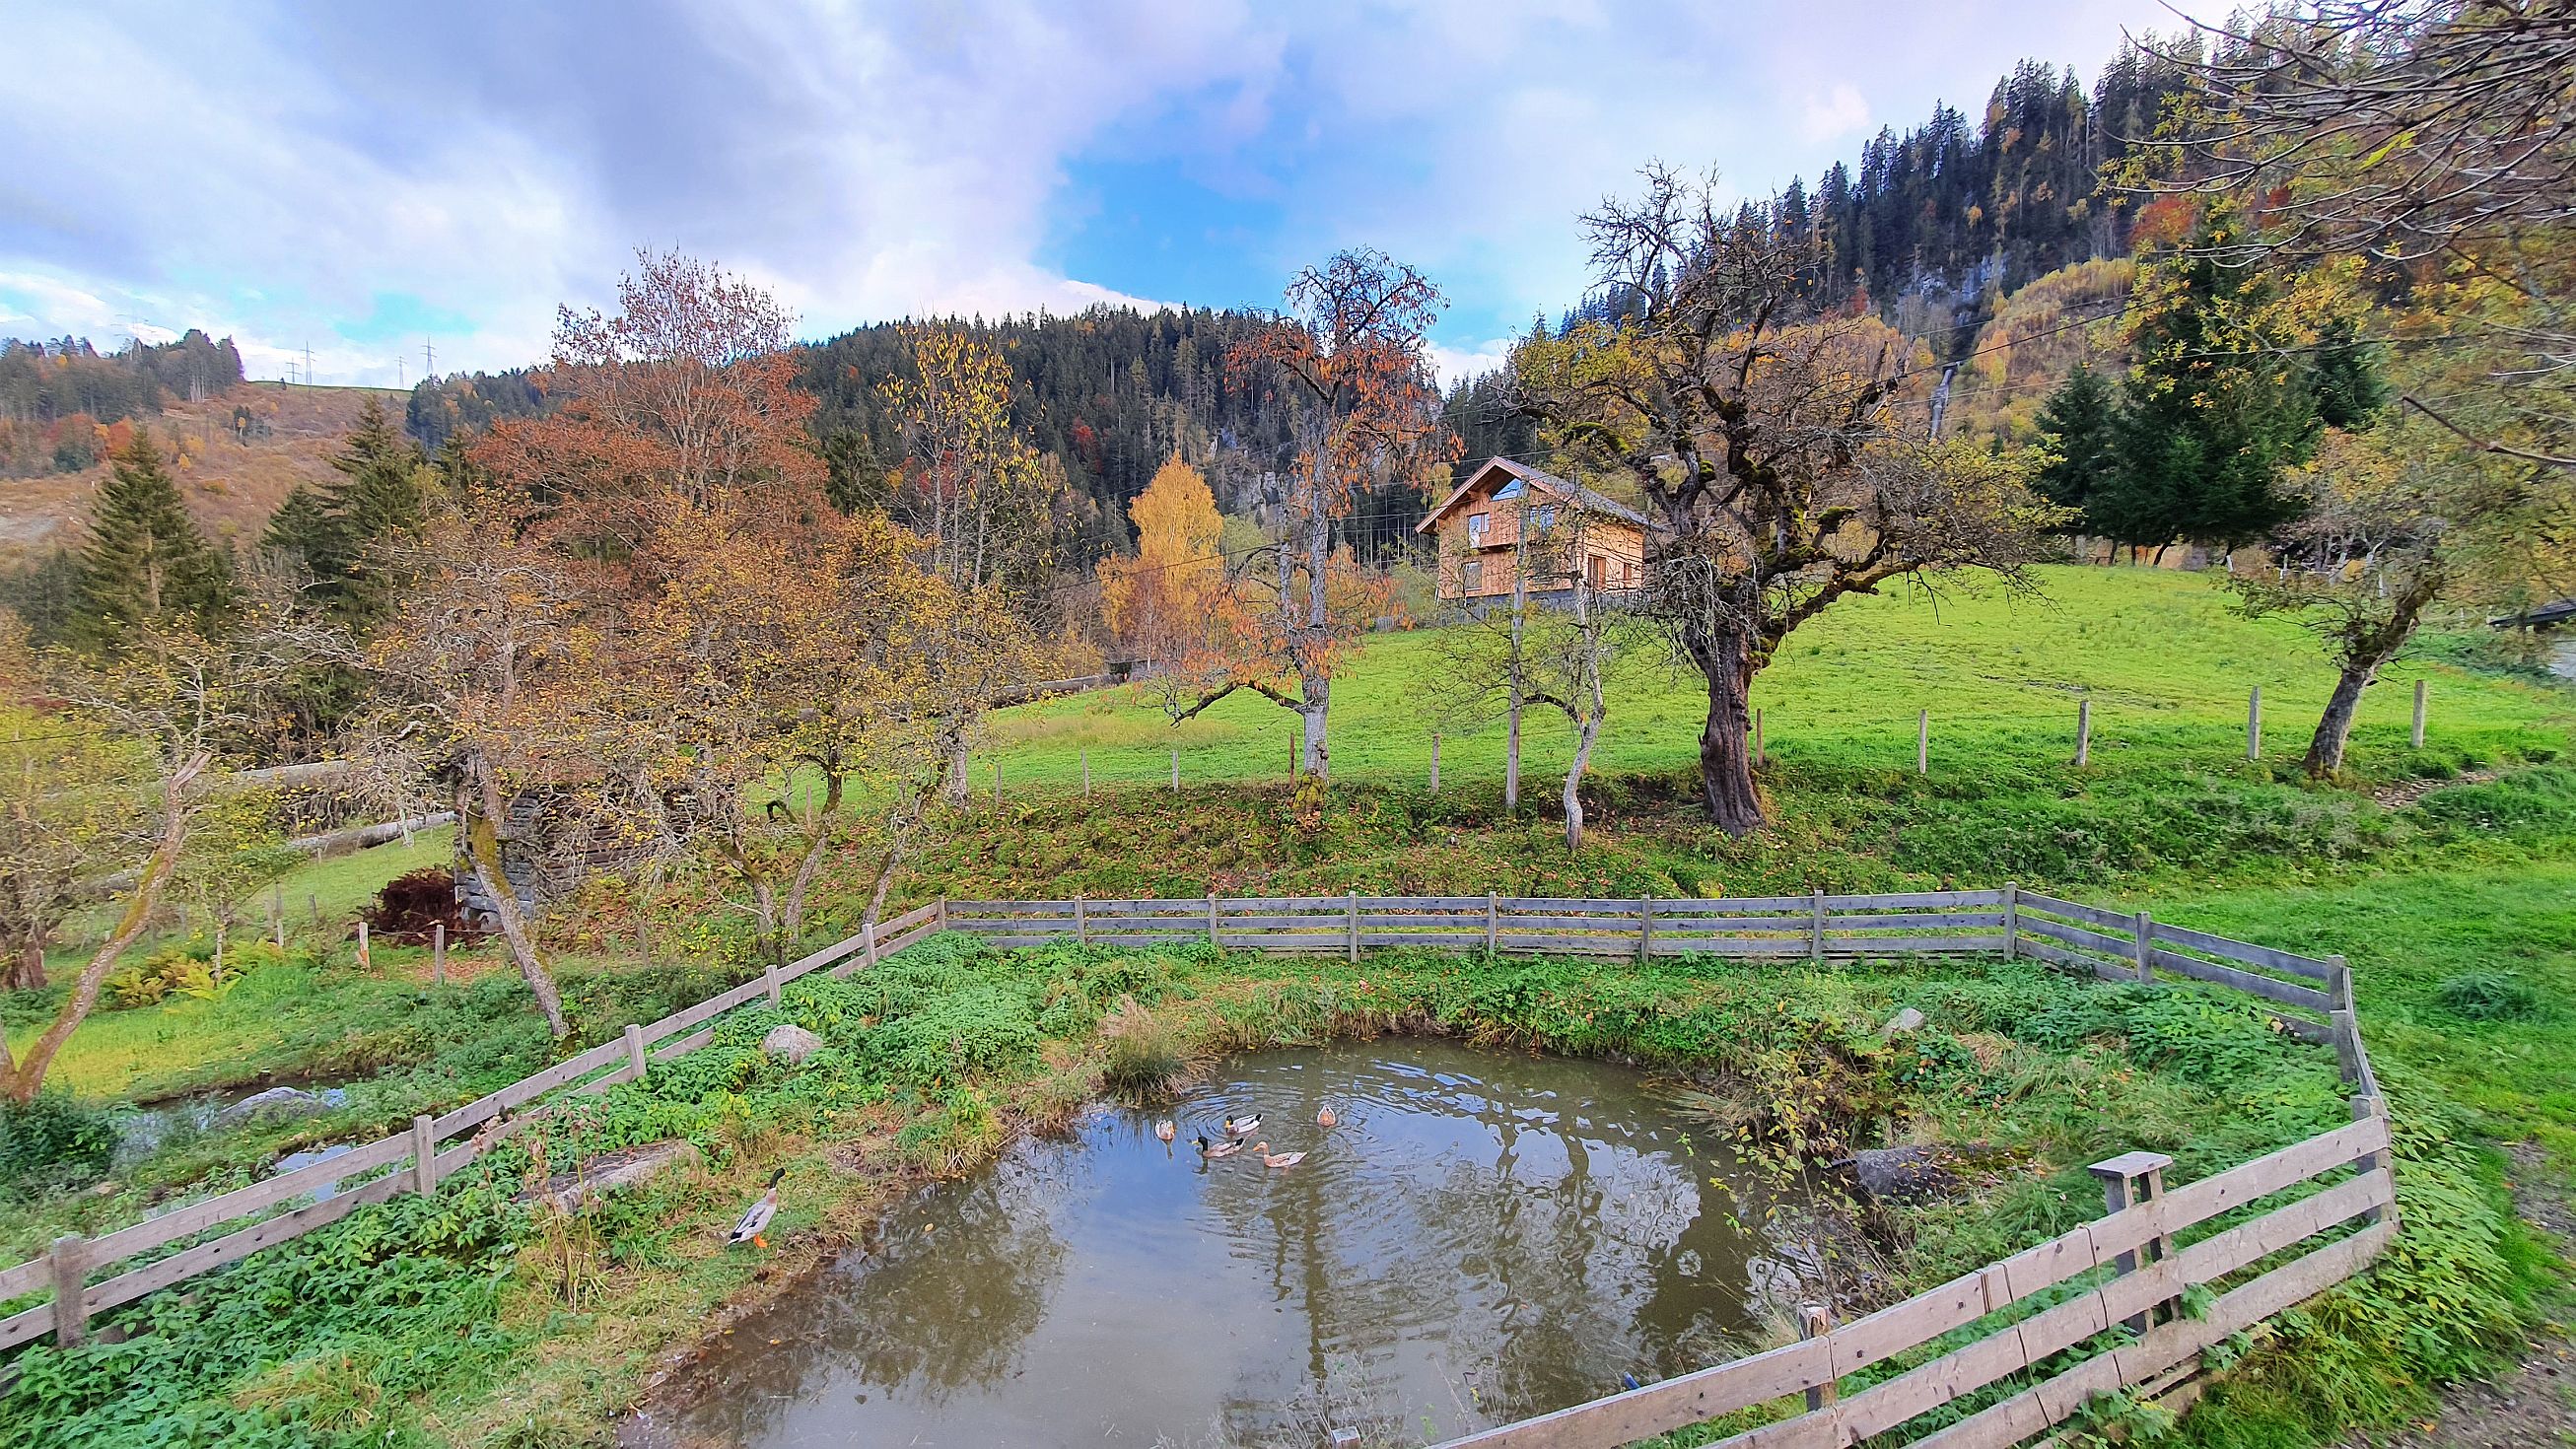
(56, 397)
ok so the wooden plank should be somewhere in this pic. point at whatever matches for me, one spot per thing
(2075, 910)
(1531, 922)
(232, 1247)
(1408, 903)
(1191, 910)
(241, 1202)
(2270, 988)
(1921, 900)
(1415, 938)
(1660, 1408)
(1901, 919)
(27, 1323)
(1420, 918)
(1909, 945)
(2060, 956)
(2198, 1201)
(483, 1109)
(2077, 936)
(1315, 921)
(1579, 945)
(703, 1036)
(1567, 905)
(957, 909)
(25, 1277)
(1727, 945)
(915, 936)
(2244, 951)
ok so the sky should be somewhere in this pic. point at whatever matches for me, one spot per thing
(364, 179)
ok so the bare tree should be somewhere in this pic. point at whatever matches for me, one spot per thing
(1763, 437)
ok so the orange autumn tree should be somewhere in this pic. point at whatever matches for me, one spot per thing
(1351, 356)
(1160, 600)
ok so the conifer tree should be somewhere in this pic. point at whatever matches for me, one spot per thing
(2078, 432)
(299, 534)
(146, 560)
(377, 497)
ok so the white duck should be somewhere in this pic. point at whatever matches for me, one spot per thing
(755, 1219)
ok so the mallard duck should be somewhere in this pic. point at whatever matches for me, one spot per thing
(755, 1219)
(1276, 1159)
(1165, 1130)
(1325, 1117)
(1217, 1149)
(1242, 1126)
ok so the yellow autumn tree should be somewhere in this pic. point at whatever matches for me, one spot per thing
(1159, 600)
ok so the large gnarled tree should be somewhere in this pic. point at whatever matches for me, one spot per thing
(1780, 473)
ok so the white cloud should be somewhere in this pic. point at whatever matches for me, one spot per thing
(277, 172)
(1834, 115)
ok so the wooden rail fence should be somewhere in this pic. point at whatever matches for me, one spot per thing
(2053, 1307)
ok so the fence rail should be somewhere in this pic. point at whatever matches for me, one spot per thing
(2135, 1273)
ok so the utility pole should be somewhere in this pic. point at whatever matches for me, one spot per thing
(308, 364)
(428, 360)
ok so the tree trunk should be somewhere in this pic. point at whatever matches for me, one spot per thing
(27, 1076)
(1725, 661)
(479, 808)
(27, 966)
(818, 843)
(1520, 621)
(1317, 692)
(2362, 657)
(1585, 732)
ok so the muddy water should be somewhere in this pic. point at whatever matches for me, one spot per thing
(1483, 1236)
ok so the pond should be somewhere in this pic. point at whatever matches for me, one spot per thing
(1482, 1236)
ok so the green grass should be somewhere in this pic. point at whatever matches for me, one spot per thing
(2166, 666)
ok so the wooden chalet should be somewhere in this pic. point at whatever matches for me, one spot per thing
(1483, 524)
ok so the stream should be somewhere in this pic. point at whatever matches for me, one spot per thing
(1484, 1235)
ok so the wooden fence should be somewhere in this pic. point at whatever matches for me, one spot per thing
(423, 1162)
(2050, 1308)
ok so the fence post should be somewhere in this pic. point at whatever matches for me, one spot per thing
(1492, 911)
(769, 981)
(2145, 930)
(1645, 928)
(1211, 918)
(424, 1154)
(313, 904)
(635, 1052)
(1176, 769)
(1923, 742)
(2130, 1180)
(943, 913)
(2415, 736)
(1435, 762)
(2364, 1107)
(1815, 1320)
(2347, 1022)
(365, 957)
(2254, 724)
(868, 932)
(1353, 917)
(997, 782)
(1816, 929)
(1081, 922)
(277, 927)
(277, 910)
(69, 1258)
(1086, 774)
(2012, 919)
(2083, 733)
(437, 953)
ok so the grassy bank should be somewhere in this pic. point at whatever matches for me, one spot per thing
(468, 1318)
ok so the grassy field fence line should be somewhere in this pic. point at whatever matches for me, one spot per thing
(2130, 1269)
(421, 1160)
(2128, 1263)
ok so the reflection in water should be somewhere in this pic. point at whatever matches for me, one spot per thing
(1485, 1236)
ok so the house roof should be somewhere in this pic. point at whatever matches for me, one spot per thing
(1589, 500)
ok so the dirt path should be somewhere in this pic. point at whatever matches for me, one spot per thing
(2532, 1404)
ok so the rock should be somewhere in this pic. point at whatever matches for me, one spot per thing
(1900, 1174)
(1908, 1020)
(791, 1044)
(276, 1102)
(615, 1170)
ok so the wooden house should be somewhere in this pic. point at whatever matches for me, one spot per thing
(1508, 516)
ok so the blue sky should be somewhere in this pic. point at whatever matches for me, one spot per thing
(356, 178)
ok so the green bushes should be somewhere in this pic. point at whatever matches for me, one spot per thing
(52, 1144)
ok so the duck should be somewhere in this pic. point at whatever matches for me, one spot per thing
(1242, 1126)
(1326, 1117)
(755, 1219)
(1217, 1149)
(1276, 1159)
(1164, 1130)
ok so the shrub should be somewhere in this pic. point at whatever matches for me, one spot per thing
(1145, 1055)
(52, 1144)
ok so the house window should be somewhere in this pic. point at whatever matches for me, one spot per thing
(1508, 490)
(1542, 517)
(1471, 575)
(1594, 568)
(1476, 529)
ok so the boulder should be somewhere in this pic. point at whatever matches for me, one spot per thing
(1908, 1020)
(613, 1171)
(791, 1044)
(1900, 1174)
(275, 1103)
